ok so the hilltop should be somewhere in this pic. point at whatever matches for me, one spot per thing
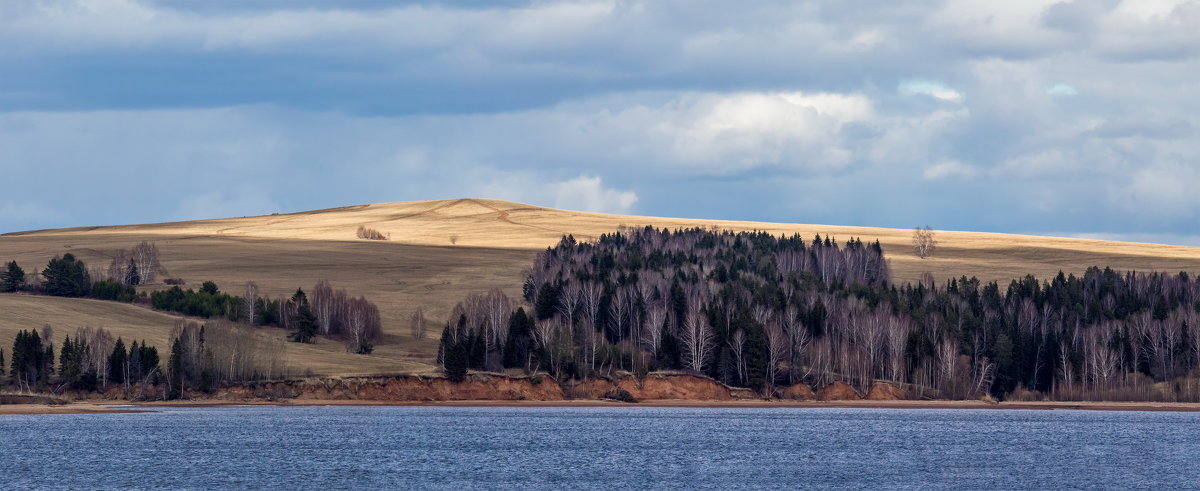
(441, 250)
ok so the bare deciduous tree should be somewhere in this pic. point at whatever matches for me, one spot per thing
(777, 348)
(362, 325)
(924, 242)
(145, 257)
(737, 345)
(324, 307)
(697, 339)
(417, 324)
(249, 300)
(653, 329)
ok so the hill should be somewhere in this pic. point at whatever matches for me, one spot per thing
(441, 250)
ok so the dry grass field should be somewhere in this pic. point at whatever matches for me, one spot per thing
(441, 250)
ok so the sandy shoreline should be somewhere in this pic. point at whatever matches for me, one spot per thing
(93, 407)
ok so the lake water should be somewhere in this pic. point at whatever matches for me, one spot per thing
(592, 448)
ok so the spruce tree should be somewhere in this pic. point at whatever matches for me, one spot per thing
(135, 362)
(117, 363)
(456, 362)
(132, 277)
(175, 390)
(12, 278)
(66, 277)
(304, 323)
(149, 359)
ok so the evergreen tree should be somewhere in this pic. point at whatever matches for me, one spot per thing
(547, 302)
(12, 278)
(70, 360)
(516, 345)
(118, 363)
(175, 365)
(304, 323)
(149, 360)
(66, 277)
(135, 363)
(131, 276)
(456, 362)
(28, 359)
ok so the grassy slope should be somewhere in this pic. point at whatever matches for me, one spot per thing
(493, 242)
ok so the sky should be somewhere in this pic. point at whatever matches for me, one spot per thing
(1055, 118)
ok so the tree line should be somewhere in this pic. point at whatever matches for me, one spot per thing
(332, 313)
(92, 361)
(204, 356)
(70, 276)
(327, 312)
(758, 311)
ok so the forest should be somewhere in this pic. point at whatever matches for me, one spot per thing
(758, 311)
(224, 349)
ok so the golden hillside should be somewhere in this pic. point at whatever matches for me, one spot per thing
(441, 250)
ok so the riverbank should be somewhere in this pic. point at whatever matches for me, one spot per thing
(91, 407)
(73, 408)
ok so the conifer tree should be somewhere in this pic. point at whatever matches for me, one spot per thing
(118, 363)
(12, 278)
(135, 362)
(175, 386)
(66, 277)
(456, 362)
(304, 323)
(132, 276)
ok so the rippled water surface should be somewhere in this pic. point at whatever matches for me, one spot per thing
(589, 448)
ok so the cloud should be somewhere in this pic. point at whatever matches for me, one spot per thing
(582, 193)
(937, 90)
(949, 168)
(1065, 90)
(587, 193)
(1020, 116)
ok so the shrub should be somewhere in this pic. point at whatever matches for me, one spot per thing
(372, 234)
(113, 290)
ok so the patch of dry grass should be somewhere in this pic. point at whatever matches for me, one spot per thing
(442, 250)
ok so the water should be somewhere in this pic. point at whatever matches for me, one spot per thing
(594, 448)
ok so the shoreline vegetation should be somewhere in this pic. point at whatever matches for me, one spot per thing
(96, 407)
(497, 390)
(703, 314)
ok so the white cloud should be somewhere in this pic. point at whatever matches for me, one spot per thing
(582, 193)
(1086, 109)
(587, 193)
(1065, 90)
(933, 89)
(949, 168)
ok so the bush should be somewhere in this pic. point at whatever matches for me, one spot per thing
(208, 302)
(174, 281)
(372, 234)
(113, 290)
